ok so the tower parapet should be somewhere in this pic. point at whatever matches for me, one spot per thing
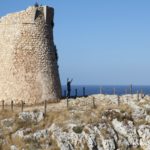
(28, 56)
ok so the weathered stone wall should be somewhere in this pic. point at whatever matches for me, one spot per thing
(28, 57)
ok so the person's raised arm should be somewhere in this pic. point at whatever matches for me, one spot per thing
(71, 80)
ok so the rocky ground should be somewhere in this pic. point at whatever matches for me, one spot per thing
(97, 122)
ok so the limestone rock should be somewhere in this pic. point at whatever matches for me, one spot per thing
(22, 133)
(144, 134)
(61, 138)
(128, 130)
(108, 144)
(147, 118)
(7, 122)
(123, 143)
(109, 129)
(139, 113)
(13, 147)
(34, 117)
(41, 134)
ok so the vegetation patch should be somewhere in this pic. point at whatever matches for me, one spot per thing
(78, 129)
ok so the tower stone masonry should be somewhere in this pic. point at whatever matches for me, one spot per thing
(28, 57)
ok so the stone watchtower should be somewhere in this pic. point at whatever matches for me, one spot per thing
(28, 57)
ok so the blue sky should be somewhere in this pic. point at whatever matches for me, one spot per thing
(100, 42)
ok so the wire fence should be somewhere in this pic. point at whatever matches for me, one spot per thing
(22, 105)
(110, 90)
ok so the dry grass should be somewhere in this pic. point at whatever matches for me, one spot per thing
(60, 117)
(139, 122)
(17, 142)
(6, 113)
(54, 145)
(85, 146)
(95, 115)
(63, 116)
(138, 148)
(145, 102)
(57, 117)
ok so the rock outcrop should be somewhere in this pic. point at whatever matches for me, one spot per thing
(111, 125)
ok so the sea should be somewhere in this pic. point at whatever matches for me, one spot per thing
(82, 90)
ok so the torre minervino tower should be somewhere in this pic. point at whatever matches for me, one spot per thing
(28, 57)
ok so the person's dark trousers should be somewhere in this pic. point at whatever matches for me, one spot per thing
(68, 94)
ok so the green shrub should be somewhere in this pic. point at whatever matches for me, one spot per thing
(78, 129)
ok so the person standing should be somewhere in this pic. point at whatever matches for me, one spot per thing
(69, 87)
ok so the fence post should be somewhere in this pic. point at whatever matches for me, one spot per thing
(22, 105)
(83, 91)
(138, 95)
(2, 104)
(131, 89)
(118, 97)
(94, 106)
(67, 102)
(76, 92)
(12, 105)
(142, 93)
(45, 107)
